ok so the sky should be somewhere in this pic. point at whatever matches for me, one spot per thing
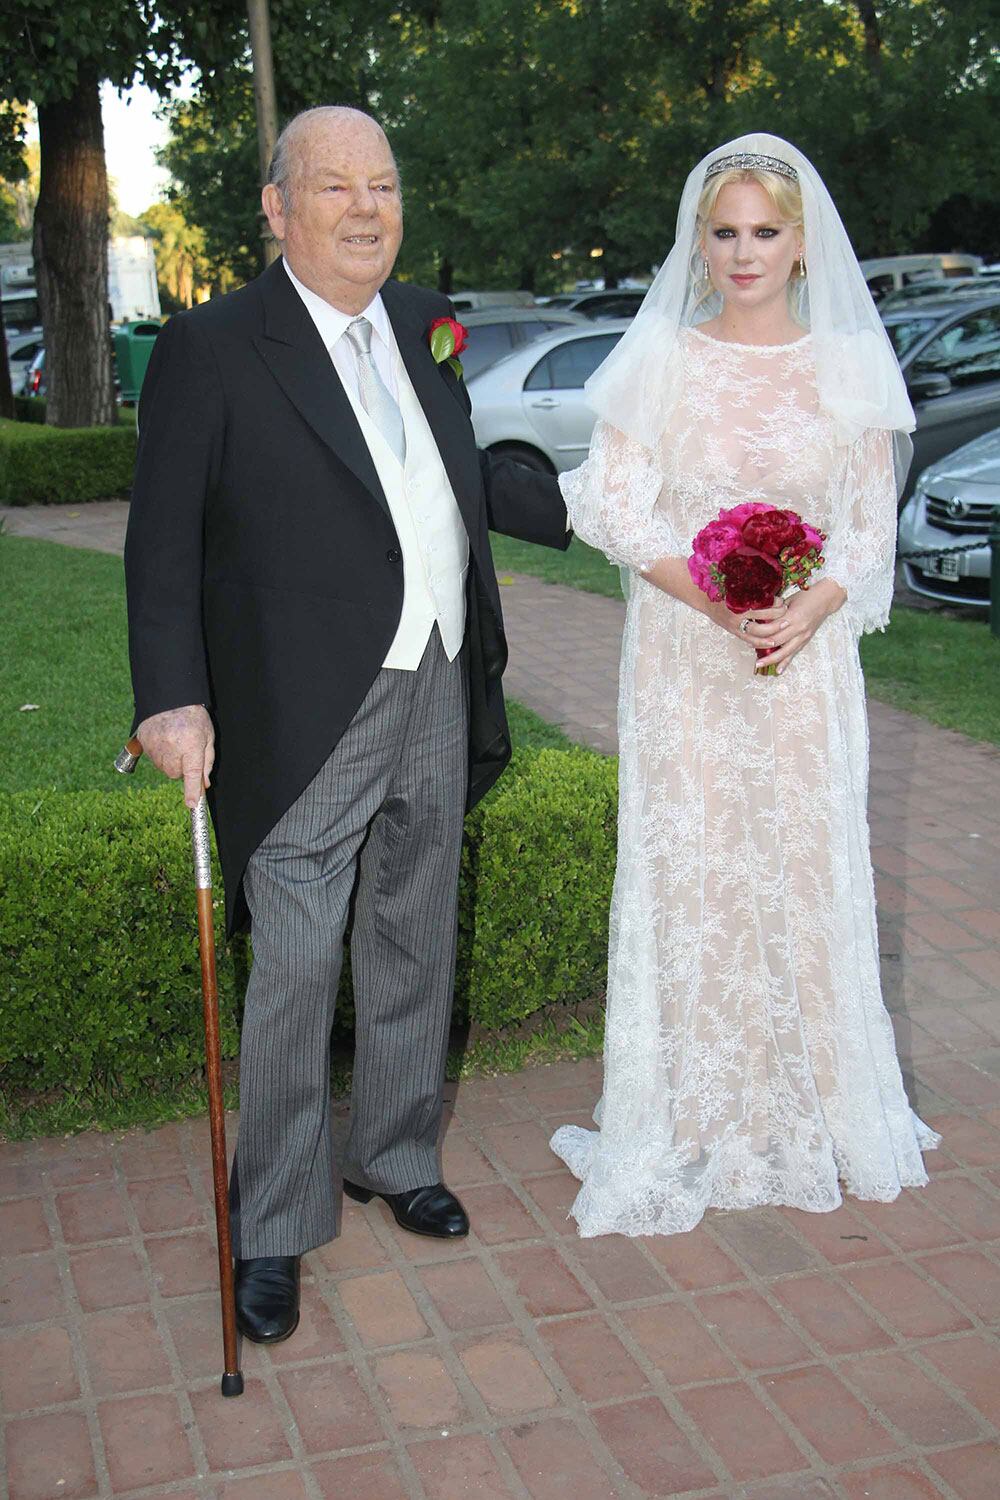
(131, 135)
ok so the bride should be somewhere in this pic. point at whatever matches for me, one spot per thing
(748, 1056)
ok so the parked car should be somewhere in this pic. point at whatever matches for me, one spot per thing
(33, 379)
(949, 352)
(21, 350)
(496, 331)
(531, 404)
(473, 301)
(890, 272)
(954, 501)
(34, 382)
(938, 289)
(624, 303)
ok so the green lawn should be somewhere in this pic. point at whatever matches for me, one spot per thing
(580, 566)
(62, 618)
(62, 623)
(944, 669)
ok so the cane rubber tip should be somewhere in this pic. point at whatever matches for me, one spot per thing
(232, 1385)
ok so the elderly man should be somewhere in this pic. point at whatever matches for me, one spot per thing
(315, 633)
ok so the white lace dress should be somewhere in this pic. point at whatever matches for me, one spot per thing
(748, 1058)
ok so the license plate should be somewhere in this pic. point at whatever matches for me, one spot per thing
(943, 567)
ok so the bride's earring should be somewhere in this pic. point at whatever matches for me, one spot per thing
(704, 268)
(802, 263)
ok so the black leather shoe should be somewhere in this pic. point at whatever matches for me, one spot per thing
(267, 1297)
(427, 1210)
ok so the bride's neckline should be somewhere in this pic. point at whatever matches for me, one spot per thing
(753, 348)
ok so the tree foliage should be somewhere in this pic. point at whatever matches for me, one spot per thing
(532, 133)
(211, 155)
(323, 54)
(182, 268)
(57, 53)
(539, 140)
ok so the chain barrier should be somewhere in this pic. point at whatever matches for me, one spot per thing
(924, 552)
(940, 551)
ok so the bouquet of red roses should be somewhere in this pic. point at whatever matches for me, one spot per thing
(751, 554)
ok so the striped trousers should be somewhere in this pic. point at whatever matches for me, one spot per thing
(379, 828)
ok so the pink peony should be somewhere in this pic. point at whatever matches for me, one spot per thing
(717, 540)
(738, 515)
(701, 575)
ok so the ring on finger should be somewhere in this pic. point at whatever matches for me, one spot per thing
(744, 624)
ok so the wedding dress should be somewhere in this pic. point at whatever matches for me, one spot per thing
(749, 1059)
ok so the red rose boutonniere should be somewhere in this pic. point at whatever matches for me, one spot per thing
(447, 338)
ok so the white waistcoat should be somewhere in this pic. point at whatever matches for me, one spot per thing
(432, 535)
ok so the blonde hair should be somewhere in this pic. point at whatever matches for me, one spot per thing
(783, 193)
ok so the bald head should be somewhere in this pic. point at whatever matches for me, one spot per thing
(332, 200)
(294, 144)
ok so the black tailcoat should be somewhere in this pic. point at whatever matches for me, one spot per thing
(264, 574)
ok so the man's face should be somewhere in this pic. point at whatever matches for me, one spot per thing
(343, 226)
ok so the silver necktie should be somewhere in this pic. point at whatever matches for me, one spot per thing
(376, 398)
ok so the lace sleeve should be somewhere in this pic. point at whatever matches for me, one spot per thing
(612, 501)
(861, 550)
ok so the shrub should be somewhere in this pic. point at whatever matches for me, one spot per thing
(32, 409)
(99, 974)
(537, 869)
(64, 465)
(29, 408)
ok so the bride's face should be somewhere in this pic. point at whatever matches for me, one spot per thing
(751, 251)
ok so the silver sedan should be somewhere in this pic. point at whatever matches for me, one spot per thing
(531, 405)
(952, 506)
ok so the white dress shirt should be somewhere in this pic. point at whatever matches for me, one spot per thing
(432, 537)
(332, 324)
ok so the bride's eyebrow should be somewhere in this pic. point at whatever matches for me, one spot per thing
(764, 224)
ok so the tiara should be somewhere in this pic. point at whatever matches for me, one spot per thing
(751, 161)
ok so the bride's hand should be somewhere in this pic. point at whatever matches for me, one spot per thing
(741, 625)
(804, 614)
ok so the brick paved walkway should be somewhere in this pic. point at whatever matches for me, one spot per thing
(99, 525)
(775, 1354)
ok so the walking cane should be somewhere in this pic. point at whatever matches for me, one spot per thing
(232, 1380)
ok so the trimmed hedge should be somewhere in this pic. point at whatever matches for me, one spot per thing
(33, 409)
(29, 408)
(99, 974)
(64, 465)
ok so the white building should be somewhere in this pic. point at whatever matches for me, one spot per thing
(132, 290)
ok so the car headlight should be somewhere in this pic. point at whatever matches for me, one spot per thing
(913, 510)
(919, 512)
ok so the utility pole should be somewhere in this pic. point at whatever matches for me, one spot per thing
(267, 107)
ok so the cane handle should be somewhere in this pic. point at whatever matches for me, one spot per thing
(200, 846)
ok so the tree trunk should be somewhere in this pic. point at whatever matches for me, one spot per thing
(873, 34)
(446, 273)
(70, 250)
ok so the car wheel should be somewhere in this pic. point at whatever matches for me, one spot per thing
(529, 457)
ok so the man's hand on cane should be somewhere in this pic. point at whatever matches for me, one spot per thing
(181, 743)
